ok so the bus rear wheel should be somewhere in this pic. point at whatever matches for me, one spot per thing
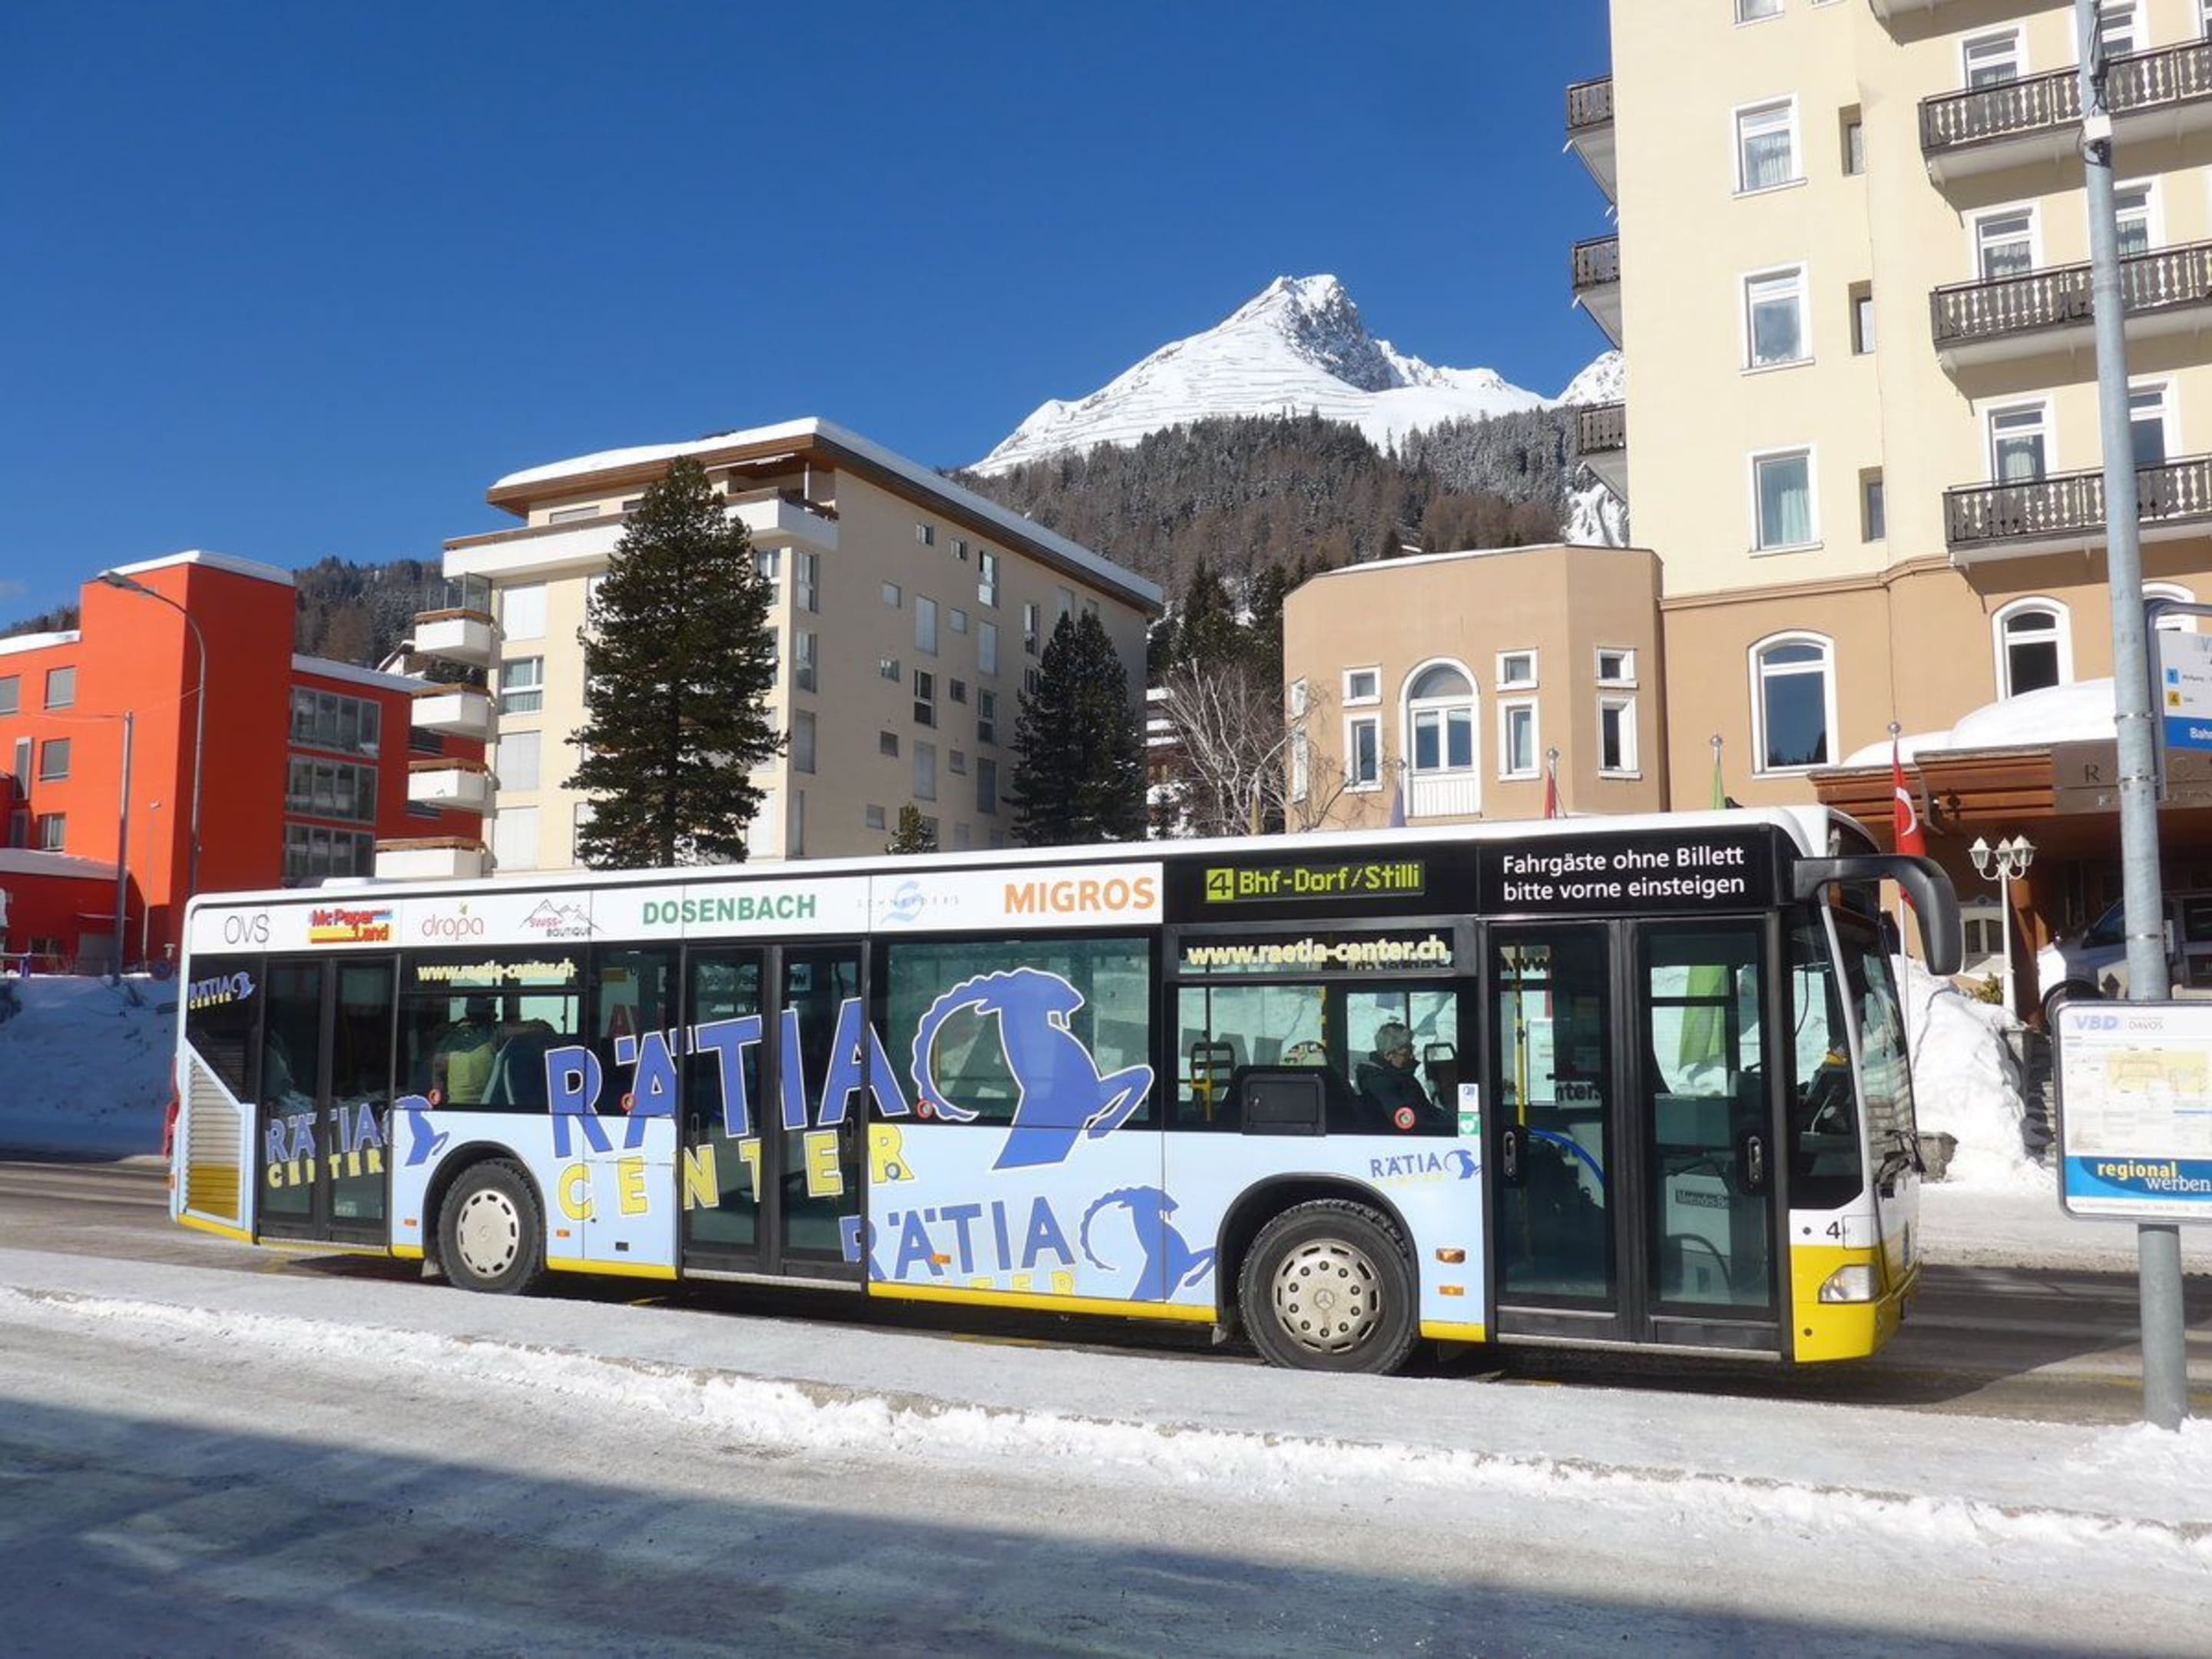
(1326, 1287)
(489, 1234)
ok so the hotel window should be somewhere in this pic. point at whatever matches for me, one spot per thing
(806, 580)
(2034, 649)
(987, 579)
(887, 743)
(324, 719)
(926, 534)
(2150, 413)
(987, 785)
(1766, 146)
(53, 832)
(767, 561)
(925, 625)
(894, 596)
(522, 686)
(53, 760)
(1782, 493)
(1793, 702)
(515, 759)
(1362, 685)
(2120, 27)
(522, 611)
(804, 648)
(1874, 510)
(61, 687)
(925, 771)
(888, 668)
(1862, 297)
(1757, 11)
(986, 647)
(331, 789)
(1854, 138)
(11, 694)
(1616, 666)
(2004, 243)
(1440, 704)
(872, 817)
(956, 762)
(2132, 206)
(1774, 318)
(1517, 738)
(925, 698)
(957, 620)
(1363, 752)
(802, 740)
(987, 716)
(1616, 735)
(1030, 619)
(2019, 446)
(573, 514)
(1516, 671)
(1993, 59)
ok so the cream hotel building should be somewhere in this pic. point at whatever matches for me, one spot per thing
(1849, 275)
(909, 614)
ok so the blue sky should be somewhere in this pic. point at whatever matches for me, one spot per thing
(295, 280)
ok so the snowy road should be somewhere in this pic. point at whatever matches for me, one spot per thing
(549, 1477)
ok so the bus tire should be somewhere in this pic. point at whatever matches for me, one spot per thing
(491, 1235)
(1326, 1287)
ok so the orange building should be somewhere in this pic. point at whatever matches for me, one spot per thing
(303, 764)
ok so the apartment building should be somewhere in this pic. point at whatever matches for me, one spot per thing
(1850, 278)
(297, 767)
(910, 616)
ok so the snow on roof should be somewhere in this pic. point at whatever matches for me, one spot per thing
(356, 674)
(1108, 573)
(38, 641)
(2058, 713)
(232, 563)
(1368, 566)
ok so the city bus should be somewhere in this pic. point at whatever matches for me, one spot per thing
(1636, 1083)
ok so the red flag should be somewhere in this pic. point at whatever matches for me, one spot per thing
(1552, 785)
(1904, 816)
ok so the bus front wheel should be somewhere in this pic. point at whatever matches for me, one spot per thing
(490, 1235)
(1326, 1287)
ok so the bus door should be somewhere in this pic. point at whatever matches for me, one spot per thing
(323, 1109)
(766, 1187)
(1633, 1155)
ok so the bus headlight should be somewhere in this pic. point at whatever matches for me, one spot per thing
(1849, 1284)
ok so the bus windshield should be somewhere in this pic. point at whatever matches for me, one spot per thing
(1827, 1153)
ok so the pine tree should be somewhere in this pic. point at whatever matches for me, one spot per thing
(1206, 630)
(678, 654)
(913, 834)
(1079, 773)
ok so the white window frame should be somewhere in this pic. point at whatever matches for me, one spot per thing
(2044, 428)
(528, 598)
(1975, 242)
(925, 624)
(2173, 624)
(1623, 681)
(1411, 709)
(2154, 211)
(1631, 760)
(803, 740)
(535, 686)
(1744, 18)
(894, 597)
(1353, 782)
(986, 647)
(1507, 680)
(2134, 16)
(805, 654)
(806, 581)
(1812, 496)
(519, 761)
(514, 834)
(1764, 106)
(2012, 35)
(2063, 629)
(1508, 707)
(1354, 698)
(1786, 280)
(1301, 765)
(2169, 410)
(1829, 677)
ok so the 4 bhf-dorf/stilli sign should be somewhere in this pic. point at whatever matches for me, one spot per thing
(2135, 1110)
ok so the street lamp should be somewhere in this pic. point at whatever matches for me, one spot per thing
(116, 579)
(2004, 864)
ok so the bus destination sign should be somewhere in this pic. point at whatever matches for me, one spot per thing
(1344, 879)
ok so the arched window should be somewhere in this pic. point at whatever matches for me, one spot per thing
(2034, 646)
(2171, 622)
(1793, 702)
(1440, 739)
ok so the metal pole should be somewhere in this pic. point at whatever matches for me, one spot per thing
(2158, 1245)
(199, 733)
(122, 855)
(2004, 928)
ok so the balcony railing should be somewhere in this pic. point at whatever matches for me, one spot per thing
(1596, 262)
(1600, 429)
(2142, 81)
(1589, 104)
(2069, 506)
(2166, 279)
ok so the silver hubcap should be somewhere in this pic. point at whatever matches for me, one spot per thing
(489, 1233)
(1328, 1296)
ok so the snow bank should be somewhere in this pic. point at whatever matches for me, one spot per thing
(1965, 1084)
(84, 1065)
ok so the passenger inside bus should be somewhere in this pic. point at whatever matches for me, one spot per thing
(461, 1063)
(1388, 1077)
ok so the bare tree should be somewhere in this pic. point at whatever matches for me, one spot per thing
(1248, 764)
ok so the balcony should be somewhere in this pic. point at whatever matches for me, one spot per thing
(458, 711)
(1890, 10)
(1602, 442)
(1597, 282)
(439, 858)
(2067, 510)
(450, 784)
(1590, 132)
(784, 518)
(2162, 93)
(773, 518)
(459, 625)
(1443, 794)
(2166, 291)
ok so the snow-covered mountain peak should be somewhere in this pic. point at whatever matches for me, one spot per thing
(1296, 347)
(1604, 381)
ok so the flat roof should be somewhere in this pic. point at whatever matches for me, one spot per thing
(1367, 566)
(38, 641)
(357, 674)
(230, 561)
